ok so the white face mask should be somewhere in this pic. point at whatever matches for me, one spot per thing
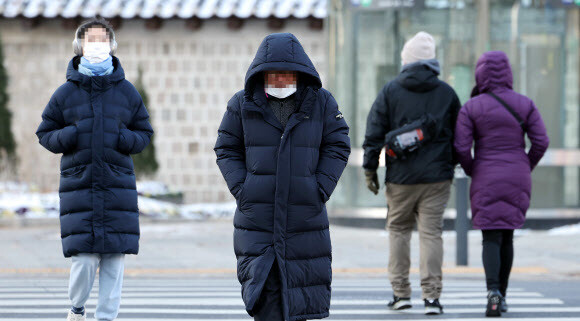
(96, 52)
(280, 93)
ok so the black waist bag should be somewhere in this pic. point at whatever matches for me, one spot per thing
(403, 141)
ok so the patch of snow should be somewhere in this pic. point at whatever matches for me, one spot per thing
(15, 204)
(522, 232)
(153, 188)
(573, 229)
(32, 205)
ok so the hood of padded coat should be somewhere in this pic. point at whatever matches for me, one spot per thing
(418, 77)
(492, 72)
(281, 51)
(73, 74)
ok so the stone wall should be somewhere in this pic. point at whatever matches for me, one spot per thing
(189, 76)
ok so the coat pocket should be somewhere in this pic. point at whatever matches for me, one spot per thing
(120, 171)
(75, 178)
(76, 171)
(119, 177)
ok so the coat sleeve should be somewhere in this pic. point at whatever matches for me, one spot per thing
(52, 132)
(377, 127)
(136, 136)
(334, 149)
(464, 140)
(536, 131)
(230, 149)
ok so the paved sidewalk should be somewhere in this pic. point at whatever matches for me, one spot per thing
(205, 248)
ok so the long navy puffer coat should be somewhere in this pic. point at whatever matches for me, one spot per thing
(281, 179)
(96, 123)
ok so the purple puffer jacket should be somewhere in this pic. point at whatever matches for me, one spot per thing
(501, 170)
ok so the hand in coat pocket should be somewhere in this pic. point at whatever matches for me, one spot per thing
(238, 194)
(123, 145)
(69, 137)
(134, 140)
(323, 197)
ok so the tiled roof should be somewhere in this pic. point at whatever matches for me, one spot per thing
(166, 9)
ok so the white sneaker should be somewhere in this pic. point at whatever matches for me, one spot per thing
(75, 317)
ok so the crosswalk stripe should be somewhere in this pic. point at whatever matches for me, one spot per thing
(232, 289)
(194, 283)
(377, 312)
(194, 294)
(248, 318)
(236, 290)
(238, 301)
(219, 282)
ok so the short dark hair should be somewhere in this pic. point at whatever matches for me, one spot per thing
(100, 22)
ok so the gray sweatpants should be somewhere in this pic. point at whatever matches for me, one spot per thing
(82, 276)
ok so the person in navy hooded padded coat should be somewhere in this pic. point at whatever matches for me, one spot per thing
(96, 120)
(281, 177)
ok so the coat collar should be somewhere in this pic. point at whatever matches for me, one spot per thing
(95, 83)
(257, 102)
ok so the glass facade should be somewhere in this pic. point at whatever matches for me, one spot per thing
(540, 37)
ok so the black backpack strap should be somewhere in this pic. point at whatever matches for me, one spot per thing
(510, 109)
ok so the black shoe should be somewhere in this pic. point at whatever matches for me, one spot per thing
(433, 307)
(493, 304)
(503, 305)
(400, 303)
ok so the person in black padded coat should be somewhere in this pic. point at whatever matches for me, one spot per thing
(96, 120)
(281, 147)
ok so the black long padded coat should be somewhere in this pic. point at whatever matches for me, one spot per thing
(96, 123)
(281, 179)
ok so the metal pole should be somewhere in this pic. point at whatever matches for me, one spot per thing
(461, 221)
(482, 28)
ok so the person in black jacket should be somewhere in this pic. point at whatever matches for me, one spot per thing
(96, 120)
(282, 147)
(415, 116)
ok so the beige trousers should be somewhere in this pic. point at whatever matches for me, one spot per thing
(423, 204)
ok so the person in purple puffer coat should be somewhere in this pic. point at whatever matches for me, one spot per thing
(501, 169)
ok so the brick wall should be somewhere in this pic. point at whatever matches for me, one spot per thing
(189, 76)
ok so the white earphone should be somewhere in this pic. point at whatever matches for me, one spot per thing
(77, 43)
